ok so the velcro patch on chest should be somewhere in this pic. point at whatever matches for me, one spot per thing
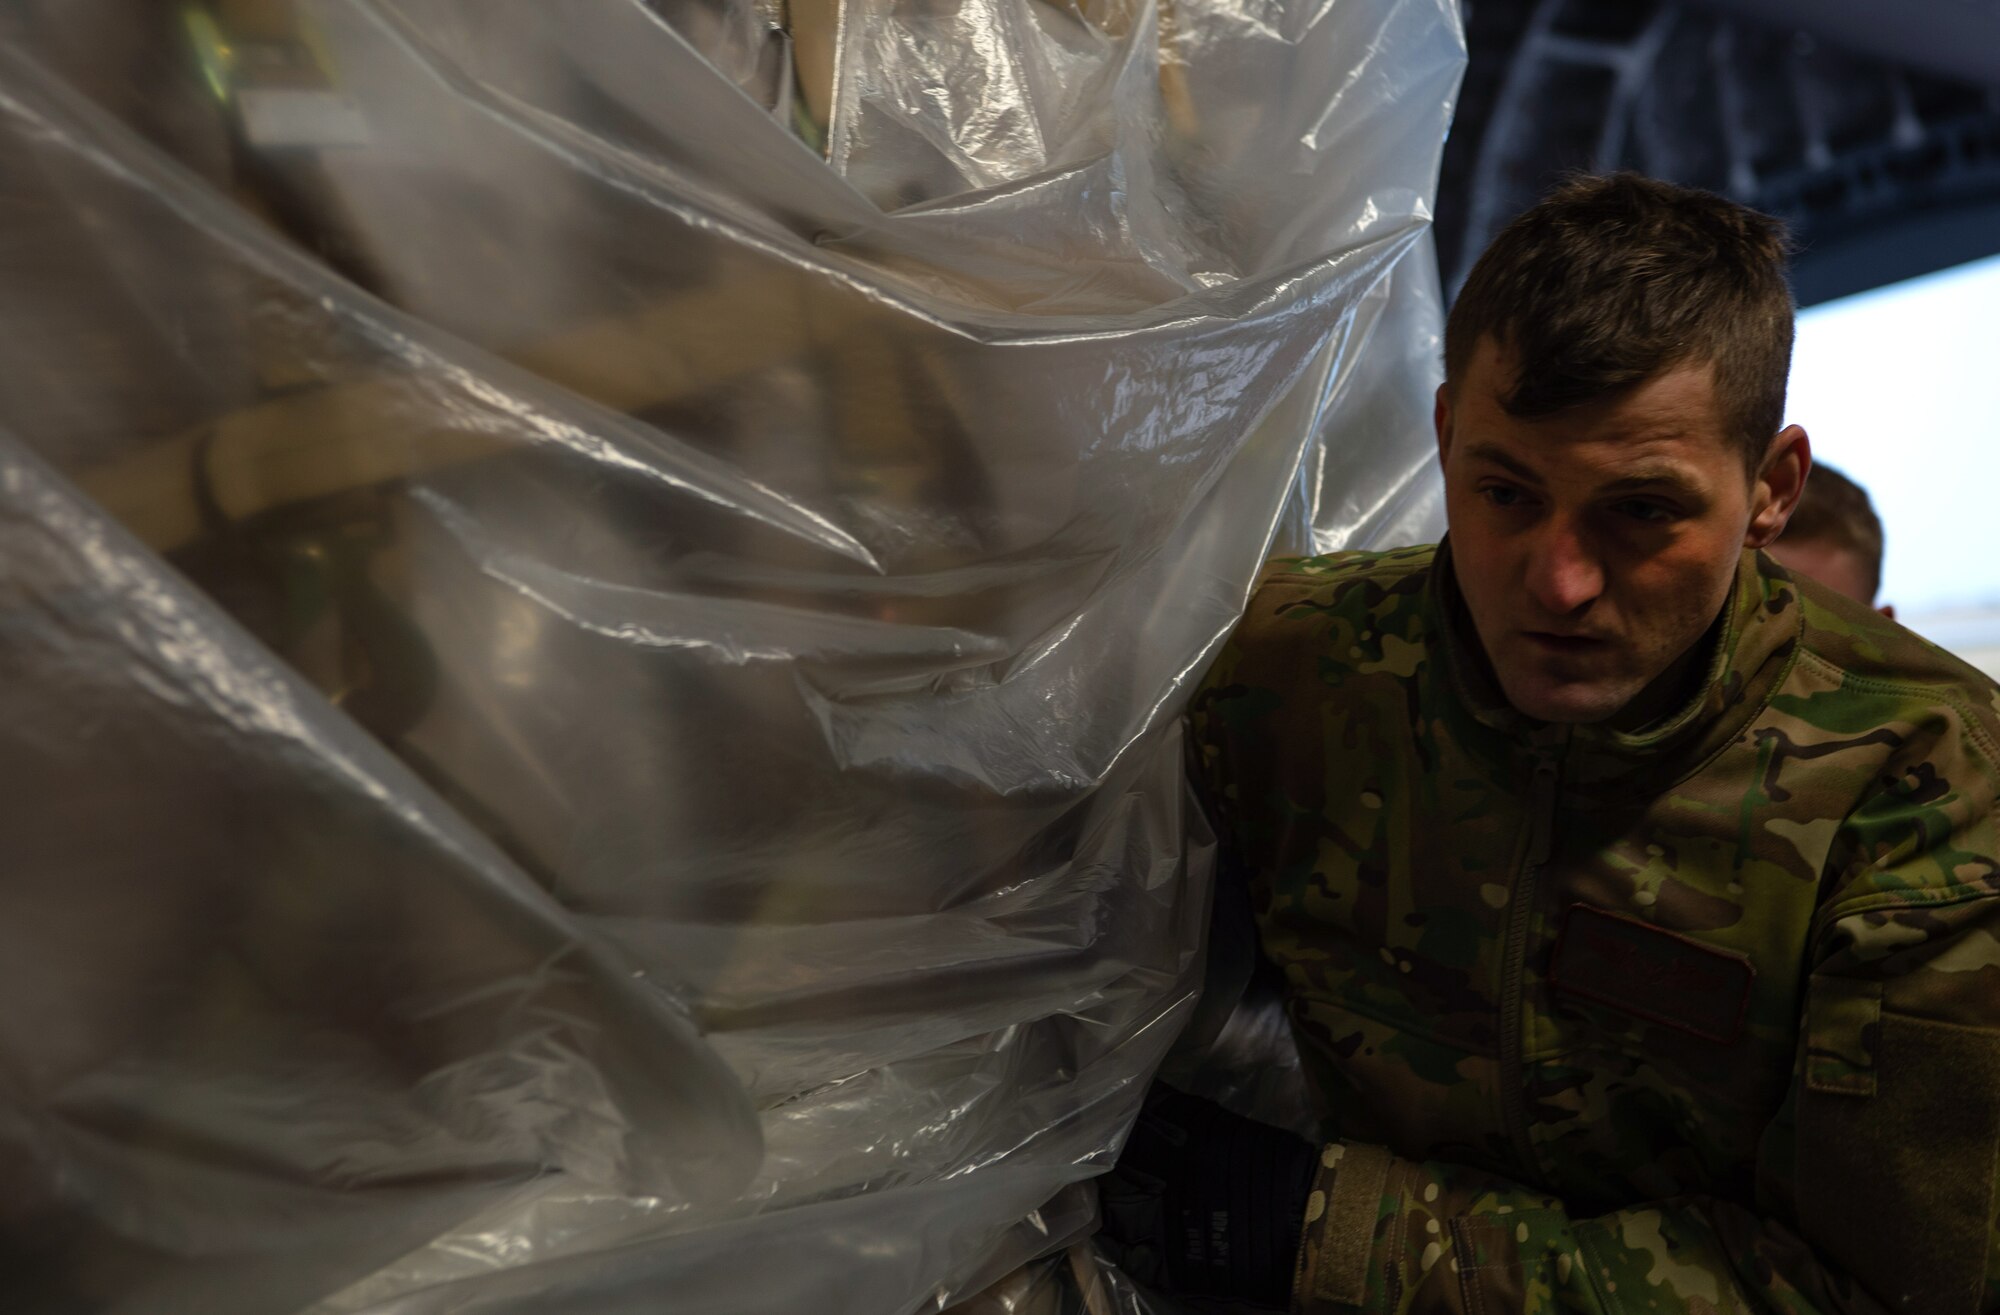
(1651, 973)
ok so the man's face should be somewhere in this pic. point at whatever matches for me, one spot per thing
(1594, 547)
(1840, 569)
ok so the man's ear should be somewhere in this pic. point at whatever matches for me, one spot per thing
(1441, 418)
(1780, 483)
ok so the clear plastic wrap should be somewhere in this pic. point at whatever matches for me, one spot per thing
(594, 599)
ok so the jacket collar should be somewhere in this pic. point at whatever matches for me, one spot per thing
(1751, 647)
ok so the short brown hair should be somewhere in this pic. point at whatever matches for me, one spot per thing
(1613, 278)
(1836, 511)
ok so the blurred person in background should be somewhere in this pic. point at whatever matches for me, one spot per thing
(1835, 538)
(1638, 902)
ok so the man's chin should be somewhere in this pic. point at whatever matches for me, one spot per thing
(1577, 702)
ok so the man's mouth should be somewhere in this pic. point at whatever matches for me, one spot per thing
(1549, 641)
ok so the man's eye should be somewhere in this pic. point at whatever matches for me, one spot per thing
(1653, 513)
(1502, 496)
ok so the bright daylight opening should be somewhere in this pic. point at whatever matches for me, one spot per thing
(1897, 387)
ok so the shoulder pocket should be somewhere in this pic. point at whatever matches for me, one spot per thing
(1899, 1127)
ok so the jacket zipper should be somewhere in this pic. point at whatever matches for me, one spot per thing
(1513, 973)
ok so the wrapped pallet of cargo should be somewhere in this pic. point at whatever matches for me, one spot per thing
(596, 600)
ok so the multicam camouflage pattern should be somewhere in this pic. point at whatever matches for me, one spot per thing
(1771, 1082)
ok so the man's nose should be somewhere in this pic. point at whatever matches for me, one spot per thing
(1564, 573)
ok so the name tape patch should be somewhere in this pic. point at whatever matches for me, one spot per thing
(1652, 973)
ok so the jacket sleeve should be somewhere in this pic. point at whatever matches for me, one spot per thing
(1387, 1234)
(1876, 1179)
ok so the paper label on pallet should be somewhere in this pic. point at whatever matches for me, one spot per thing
(276, 117)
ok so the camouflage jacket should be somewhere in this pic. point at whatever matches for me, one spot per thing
(1704, 1018)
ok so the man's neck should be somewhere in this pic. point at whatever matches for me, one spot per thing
(1669, 692)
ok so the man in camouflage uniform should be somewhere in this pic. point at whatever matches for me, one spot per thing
(1835, 537)
(1637, 901)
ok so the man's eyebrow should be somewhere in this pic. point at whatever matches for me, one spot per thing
(1672, 476)
(1488, 452)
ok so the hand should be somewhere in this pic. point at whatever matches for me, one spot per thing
(1207, 1203)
